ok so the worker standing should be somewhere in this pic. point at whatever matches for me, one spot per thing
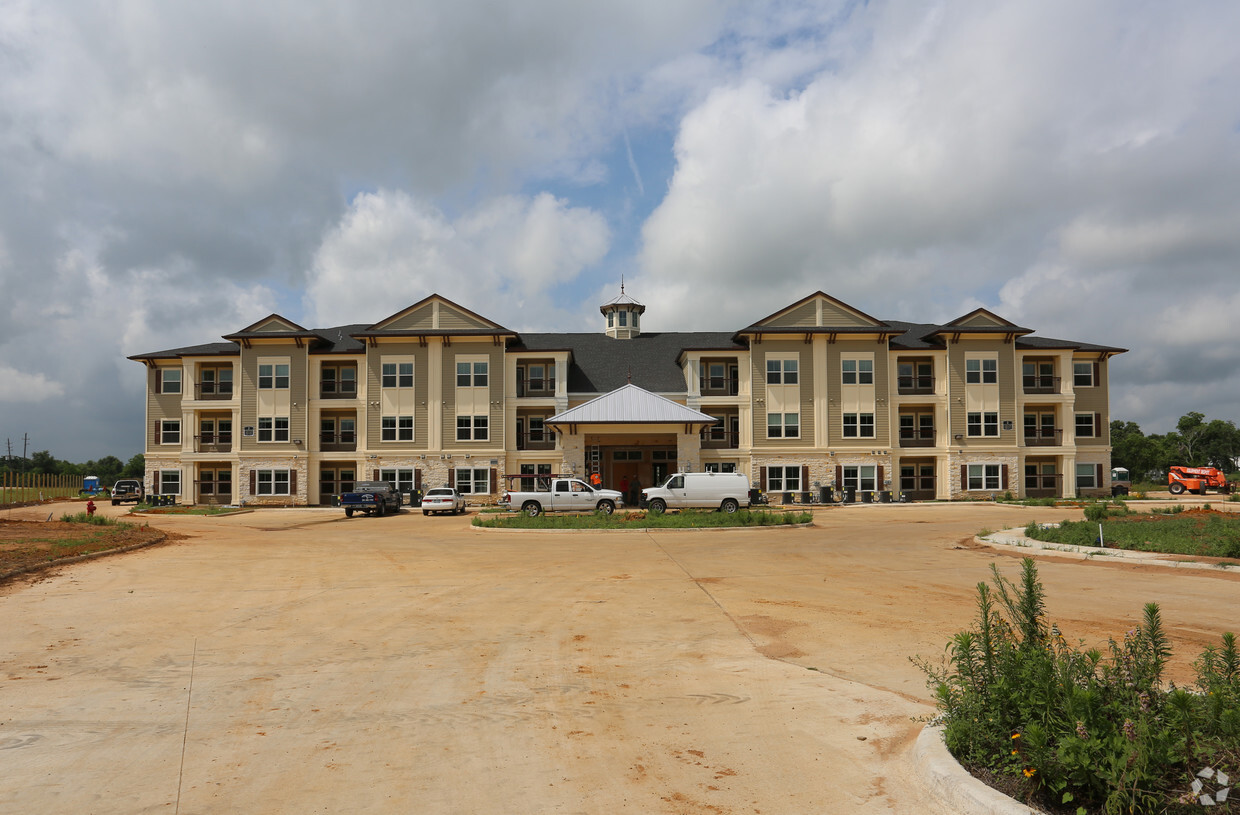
(596, 480)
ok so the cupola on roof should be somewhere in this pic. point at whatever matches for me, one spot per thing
(623, 315)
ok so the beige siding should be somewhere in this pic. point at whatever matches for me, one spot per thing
(883, 405)
(836, 316)
(495, 384)
(298, 392)
(804, 316)
(417, 320)
(1009, 384)
(1093, 400)
(371, 371)
(451, 319)
(805, 378)
(160, 406)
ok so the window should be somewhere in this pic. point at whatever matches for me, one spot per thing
(635, 316)
(720, 467)
(1086, 476)
(169, 482)
(1085, 426)
(531, 483)
(541, 378)
(472, 428)
(403, 479)
(781, 371)
(858, 371)
(981, 371)
(215, 431)
(783, 479)
(1083, 375)
(611, 319)
(537, 428)
(859, 425)
(273, 376)
(624, 318)
(396, 374)
(983, 424)
(170, 431)
(338, 380)
(396, 428)
(169, 381)
(471, 374)
(215, 383)
(271, 482)
(273, 428)
(984, 477)
(473, 480)
(783, 425)
(863, 478)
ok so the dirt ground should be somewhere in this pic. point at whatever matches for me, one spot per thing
(296, 661)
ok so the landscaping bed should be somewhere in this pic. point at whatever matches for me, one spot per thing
(26, 545)
(1193, 532)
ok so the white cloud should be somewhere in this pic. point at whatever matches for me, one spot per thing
(19, 386)
(507, 256)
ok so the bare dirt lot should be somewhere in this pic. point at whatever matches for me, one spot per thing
(296, 661)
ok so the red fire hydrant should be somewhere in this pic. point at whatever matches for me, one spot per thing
(90, 508)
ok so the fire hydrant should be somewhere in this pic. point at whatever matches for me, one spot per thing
(90, 508)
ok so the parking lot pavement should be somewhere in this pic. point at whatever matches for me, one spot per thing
(296, 661)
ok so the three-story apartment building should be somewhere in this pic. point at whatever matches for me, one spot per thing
(817, 395)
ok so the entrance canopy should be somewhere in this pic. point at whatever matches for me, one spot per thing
(631, 405)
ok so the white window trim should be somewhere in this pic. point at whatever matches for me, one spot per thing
(998, 477)
(783, 425)
(275, 432)
(160, 482)
(473, 481)
(271, 478)
(164, 433)
(1076, 420)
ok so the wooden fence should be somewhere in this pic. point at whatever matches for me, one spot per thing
(18, 488)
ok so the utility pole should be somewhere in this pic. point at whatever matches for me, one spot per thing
(25, 444)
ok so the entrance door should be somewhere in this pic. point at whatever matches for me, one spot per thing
(215, 485)
(917, 480)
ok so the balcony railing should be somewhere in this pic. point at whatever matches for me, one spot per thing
(719, 386)
(1042, 437)
(536, 387)
(337, 390)
(915, 384)
(345, 442)
(213, 443)
(917, 437)
(535, 440)
(727, 440)
(1041, 384)
(213, 390)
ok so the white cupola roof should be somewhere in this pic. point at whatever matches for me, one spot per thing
(623, 315)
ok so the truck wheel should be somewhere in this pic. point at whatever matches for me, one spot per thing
(1176, 488)
(729, 505)
(606, 507)
(532, 508)
(348, 512)
(381, 509)
(116, 503)
(658, 506)
(426, 512)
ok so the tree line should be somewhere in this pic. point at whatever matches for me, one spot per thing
(108, 468)
(1195, 442)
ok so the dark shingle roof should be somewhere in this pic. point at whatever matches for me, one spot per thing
(601, 364)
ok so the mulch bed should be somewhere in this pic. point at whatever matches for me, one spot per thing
(27, 545)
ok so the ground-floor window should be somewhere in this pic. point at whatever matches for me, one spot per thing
(984, 477)
(215, 484)
(536, 477)
(272, 482)
(720, 466)
(169, 482)
(860, 477)
(783, 479)
(1087, 476)
(334, 481)
(402, 478)
(473, 480)
(917, 477)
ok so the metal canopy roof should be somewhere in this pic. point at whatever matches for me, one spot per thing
(631, 405)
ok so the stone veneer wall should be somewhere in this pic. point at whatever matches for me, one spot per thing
(958, 491)
(822, 467)
(154, 465)
(298, 498)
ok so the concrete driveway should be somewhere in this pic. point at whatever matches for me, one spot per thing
(295, 661)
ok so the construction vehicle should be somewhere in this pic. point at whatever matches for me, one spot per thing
(1197, 479)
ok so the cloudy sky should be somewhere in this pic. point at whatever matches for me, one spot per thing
(171, 172)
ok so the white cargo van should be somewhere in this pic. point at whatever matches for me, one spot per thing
(727, 492)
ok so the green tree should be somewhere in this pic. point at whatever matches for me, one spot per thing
(136, 467)
(1132, 449)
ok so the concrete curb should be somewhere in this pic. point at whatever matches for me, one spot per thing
(1015, 540)
(953, 785)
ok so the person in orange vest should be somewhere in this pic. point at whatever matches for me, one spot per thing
(90, 508)
(596, 480)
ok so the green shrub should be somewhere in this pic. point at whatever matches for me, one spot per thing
(1074, 727)
(84, 518)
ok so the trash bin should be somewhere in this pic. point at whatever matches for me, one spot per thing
(867, 497)
(755, 497)
(787, 498)
(850, 495)
(884, 497)
(415, 498)
(334, 501)
(824, 495)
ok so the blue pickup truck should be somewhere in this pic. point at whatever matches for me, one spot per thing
(371, 497)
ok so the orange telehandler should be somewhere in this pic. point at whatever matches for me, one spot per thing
(1197, 479)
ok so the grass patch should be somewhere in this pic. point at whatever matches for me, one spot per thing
(685, 519)
(1195, 533)
(186, 510)
(31, 544)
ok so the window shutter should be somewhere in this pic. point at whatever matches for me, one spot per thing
(159, 381)
(839, 478)
(1097, 425)
(417, 479)
(494, 480)
(880, 480)
(253, 482)
(157, 436)
(1003, 476)
(1097, 375)
(376, 478)
(762, 478)
(804, 478)
(292, 482)
(1098, 476)
(964, 477)
(452, 477)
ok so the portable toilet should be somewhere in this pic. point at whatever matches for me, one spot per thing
(90, 484)
(1121, 482)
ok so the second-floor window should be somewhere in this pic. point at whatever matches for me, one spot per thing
(396, 428)
(215, 382)
(340, 380)
(859, 425)
(1086, 426)
(273, 428)
(983, 424)
(472, 428)
(273, 376)
(170, 431)
(783, 425)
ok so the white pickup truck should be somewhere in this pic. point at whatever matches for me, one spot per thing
(565, 495)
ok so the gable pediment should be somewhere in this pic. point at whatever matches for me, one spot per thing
(436, 314)
(273, 324)
(982, 318)
(819, 311)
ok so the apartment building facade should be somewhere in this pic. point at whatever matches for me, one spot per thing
(818, 394)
